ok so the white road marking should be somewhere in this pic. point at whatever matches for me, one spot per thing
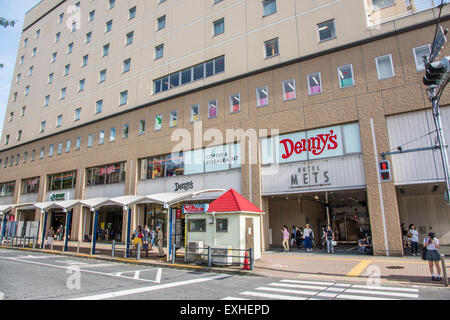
(383, 293)
(299, 286)
(158, 276)
(2, 296)
(270, 296)
(309, 282)
(326, 295)
(301, 292)
(385, 288)
(353, 297)
(234, 298)
(136, 275)
(152, 288)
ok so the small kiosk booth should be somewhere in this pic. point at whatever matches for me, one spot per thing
(230, 222)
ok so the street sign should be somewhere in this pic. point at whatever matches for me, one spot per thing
(438, 44)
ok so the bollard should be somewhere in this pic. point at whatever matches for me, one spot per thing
(138, 251)
(113, 248)
(185, 253)
(251, 258)
(209, 257)
(444, 270)
(174, 253)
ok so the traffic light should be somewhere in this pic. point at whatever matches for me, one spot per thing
(385, 171)
(436, 72)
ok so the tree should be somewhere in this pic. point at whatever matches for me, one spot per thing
(6, 23)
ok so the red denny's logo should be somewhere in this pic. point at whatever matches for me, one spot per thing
(316, 145)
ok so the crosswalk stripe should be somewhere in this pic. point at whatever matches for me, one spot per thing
(301, 292)
(335, 289)
(309, 282)
(234, 298)
(353, 297)
(345, 285)
(327, 295)
(271, 296)
(299, 286)
(384, 293)
(385, 288)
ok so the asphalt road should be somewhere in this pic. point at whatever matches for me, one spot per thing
(36, 276)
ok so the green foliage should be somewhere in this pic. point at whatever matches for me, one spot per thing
(7, 23)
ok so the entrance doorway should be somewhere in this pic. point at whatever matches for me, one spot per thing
(110, 221)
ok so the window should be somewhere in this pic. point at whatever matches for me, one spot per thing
(90, 140)
(99, 106)
(174, 80)
(159, 51)
(381, 4)
(70, 48)
(112, 135)
(161, 23)
(152, 168)
(174, 164)
(345, 74)
(112, 3)
(123, 98)
(33, 155)
(17, 159)
(62, 181)
(271, 48)
(88, 37)
(269, 7)
(81, 85)
(50, 78)
(195, 113)
(129, 38)
(33, 53)
(132, 13)
(314, 83)
(158, 122)
(18, 77)
(78, 114)
(38, 33)
(68, 145)
(262, 96)
(60, 18)
(66, 70)
(30, 71)
(43, 123)
(101, 138)
(22, 58)
(222, 225)
(59, 121)
(125, 131)
(54, 57)
(74, 26)
(385, 67)
(63, 93)
(41, 154)
(27, 90)
(46, 101)
(58, 37)
(85, 60)
(91, 15)
(173, 118)
(102, 76)
(235, 103)
(19, 135)
(7, 189)
(14, 96)
(142, 126)
(30, 185)
(219, 26)
(126, 65)
(107, 174)
(22, 114)
(78, 144)
(11, 116)
(108, 26)
(50, 152)
(327, 30)
(289, 90)
(106, 50)
(60, 146)
(186, 76)
(25, 157)
(212, 109)
(419, 53)
(25, 42)
(197, 225)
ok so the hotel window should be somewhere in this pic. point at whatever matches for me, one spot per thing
(66, 70)
(33, 155)
(78, 144)
(78, 114)
(159, 51)
(262, 96)
(50, 152)
(271, 48)
(314, 83)
(345, 74)
(70, 48)
(7, 189)
(38, 33)
(11, 116)
(11, 161)
(161, 23)
(381, 4)
(186, 76)
(126, 65)
(385, 67)
(112, 3)
(219, 26)
(30, 71)
(60, 146)
(25, 157)
(50, 78)
(18, 77)
(27, 90)
(101, 138)
(419, 53)
(63, 93)
(58, 37)
(30, 185)
(22, 114)
(99, 106)
(33, 53)
(108, 27)
(102, 76)
(142, 126)
(173, 118)
(132, 13)
(54, 57)
(123, 98)
(174, 80)
(91, 15)
(14, 96)
(62, 181)
(59, 121)
(125, 130)
(25, 43)
(112, 134)
(85, 60)
(41, 154)
(269, 7)
(108, 174)
(129, 38)
(289, 90)
(74, 26)
(106, 50)
(212, 109)
(90, 140)
(81, 85)
(327, 30)
(22, 58)
(68, 145)
(43, 123)
(17, 159)
(195, 113)
(19, 135)
(46, 101)
(60, 18)
(235, 103)
(158, 122)
(88, 37)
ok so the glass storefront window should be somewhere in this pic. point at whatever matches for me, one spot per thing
(60, 181)
(7, 189)
(30, 185)
(156, 167)
(174, 164)
(109, 174)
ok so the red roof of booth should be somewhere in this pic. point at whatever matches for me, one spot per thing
(231, 201)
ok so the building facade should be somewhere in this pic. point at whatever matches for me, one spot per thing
(288, 102)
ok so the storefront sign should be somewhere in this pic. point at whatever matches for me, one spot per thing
(184, 186)
(195, 208)
(57, 197)
(308, 176)
(178, 213)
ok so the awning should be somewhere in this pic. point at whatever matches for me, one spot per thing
(94, 203)
(171, 198)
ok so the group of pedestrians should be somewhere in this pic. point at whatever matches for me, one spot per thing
(305, 236)
(148, 236)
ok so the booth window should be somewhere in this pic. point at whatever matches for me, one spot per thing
(197, 225)
(222, 225)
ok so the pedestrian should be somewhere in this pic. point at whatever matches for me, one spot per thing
(330, 239)
(404, 235)
(323, 237)
(146, 233)
(298, 237)
(160, 241)
(285, 242)
(431, 245)
(50, 236)
(363, 245)
(152, 237)
(59, 232)
(293, 233)
(309, 236)
(413, 234)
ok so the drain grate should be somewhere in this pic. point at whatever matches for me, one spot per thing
(395, 267)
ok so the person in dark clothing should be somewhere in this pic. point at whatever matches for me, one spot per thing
(299, 237)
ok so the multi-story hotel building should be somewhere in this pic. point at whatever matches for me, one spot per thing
(103, 88)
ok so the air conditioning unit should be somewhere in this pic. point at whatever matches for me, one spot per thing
(195, 247)
(222, 256)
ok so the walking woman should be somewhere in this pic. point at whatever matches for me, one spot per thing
(431, 243)
(285, 242)
(308, 234)
(414, 236)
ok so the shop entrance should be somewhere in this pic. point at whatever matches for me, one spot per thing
(58, 222)
(110, 220)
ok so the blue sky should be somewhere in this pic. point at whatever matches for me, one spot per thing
(10, 37)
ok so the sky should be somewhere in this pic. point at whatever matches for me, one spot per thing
(10, 37)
